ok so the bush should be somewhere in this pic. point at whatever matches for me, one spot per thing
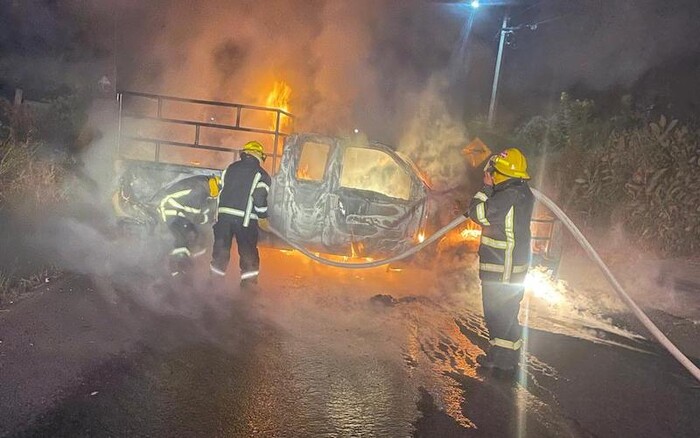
(16, 122)
(647, 178)
(62, 121)
(573, 124)
(26, 179)
(28, 184)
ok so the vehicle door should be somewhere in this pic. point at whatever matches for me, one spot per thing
(378, 201)
(301, 190)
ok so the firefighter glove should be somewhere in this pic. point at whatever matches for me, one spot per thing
(264, 225)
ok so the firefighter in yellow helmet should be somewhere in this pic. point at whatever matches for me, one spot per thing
(185, 206)
(503, 207)
(242, 210)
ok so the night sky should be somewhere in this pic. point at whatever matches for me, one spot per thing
(380, 54)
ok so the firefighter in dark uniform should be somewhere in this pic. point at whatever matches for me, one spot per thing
(185, 206)
(242, 209)
(503, 208)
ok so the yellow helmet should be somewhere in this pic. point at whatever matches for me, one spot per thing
(255, 148)
(510, 163)
(214, 186)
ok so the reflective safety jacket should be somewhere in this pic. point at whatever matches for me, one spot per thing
(504, 211)
(188, 198)
(245, 188)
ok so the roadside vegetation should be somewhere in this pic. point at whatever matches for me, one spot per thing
(631, 169)
(31, 184)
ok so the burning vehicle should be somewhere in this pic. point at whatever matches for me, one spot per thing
(348, 197)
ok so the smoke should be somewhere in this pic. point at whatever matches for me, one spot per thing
(377, 65)
(350, 64)
(434, 138)
(236, 51)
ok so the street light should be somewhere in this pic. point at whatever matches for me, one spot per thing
(505, 30)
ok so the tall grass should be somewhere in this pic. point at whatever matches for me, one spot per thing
(29, 184)
(26, 179)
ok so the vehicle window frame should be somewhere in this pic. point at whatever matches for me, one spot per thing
(325, 164)
(395, 159)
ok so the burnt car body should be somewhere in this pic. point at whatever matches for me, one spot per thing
(347, 196)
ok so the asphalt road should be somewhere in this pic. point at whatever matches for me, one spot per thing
(321, 352)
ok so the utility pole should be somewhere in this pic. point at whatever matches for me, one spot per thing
(505, 30)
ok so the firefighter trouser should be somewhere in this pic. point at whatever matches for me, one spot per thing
(501, 303)
(225, 230)
(188, 244)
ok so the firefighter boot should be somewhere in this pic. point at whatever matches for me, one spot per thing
(498, 358)
(485, 361)
(488, 360)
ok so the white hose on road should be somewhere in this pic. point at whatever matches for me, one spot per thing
(643, 318)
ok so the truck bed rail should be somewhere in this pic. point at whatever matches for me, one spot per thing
(272, 117)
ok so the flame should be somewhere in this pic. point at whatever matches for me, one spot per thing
(421, 237)
(356, 249)
(279, 99)
(303, 172)
(327, 256)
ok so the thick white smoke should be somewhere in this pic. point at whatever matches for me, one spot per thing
(434, 138)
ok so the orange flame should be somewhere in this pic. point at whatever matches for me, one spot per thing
(357, 249)
(303, 173)
(279, 99)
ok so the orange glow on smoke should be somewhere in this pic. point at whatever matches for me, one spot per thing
(278, 98)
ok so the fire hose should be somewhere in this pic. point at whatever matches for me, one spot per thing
(636, 310)
(376, 263)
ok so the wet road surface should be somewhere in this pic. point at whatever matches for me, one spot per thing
(323, 352)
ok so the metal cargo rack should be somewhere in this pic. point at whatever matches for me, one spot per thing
(546, 242)
(194, 143)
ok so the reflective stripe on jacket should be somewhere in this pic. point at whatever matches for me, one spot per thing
(504, 212)
(188, 198)
(245, 186)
